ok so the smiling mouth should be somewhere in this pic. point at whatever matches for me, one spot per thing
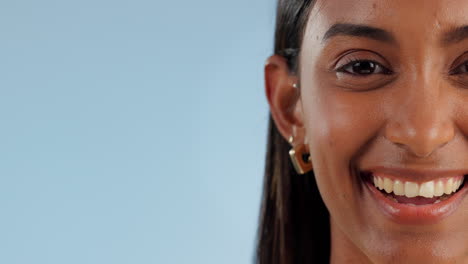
(413, 193)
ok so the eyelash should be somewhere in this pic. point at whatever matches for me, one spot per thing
(386, 71)
(454, 71)
(352, 62)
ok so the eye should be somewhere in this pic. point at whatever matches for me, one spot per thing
(461, 69)
(363, 68)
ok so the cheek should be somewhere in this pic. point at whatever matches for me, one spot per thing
(339, 125)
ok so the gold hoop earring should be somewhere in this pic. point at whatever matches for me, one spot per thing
(300, 157)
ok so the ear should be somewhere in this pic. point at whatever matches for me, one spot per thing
(283, 98)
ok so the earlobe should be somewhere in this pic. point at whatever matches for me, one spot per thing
(282, 96)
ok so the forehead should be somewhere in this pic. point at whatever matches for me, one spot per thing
(415, 18)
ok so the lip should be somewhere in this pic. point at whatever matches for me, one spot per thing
(415, 175)
(416, 215)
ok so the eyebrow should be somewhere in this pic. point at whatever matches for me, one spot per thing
(357, 30)
(455, 35)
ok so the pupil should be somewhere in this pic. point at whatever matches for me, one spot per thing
(364, 67)
(465, 67)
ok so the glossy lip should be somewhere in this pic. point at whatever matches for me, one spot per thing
(416, 215)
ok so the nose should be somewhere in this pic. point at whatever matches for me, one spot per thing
(421, 122)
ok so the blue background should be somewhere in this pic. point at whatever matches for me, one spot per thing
(132, 131)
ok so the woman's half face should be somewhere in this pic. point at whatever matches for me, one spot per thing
(384, 97)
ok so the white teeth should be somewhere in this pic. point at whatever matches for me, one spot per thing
(456, 185)
(412, 189)
(388, 185)
(380, 183)
(398, 188)
(427, 189)
(439, 188)
(449, 186)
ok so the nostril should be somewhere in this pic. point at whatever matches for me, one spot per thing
(419, 138)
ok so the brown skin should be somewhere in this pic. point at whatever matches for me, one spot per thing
(416, 117)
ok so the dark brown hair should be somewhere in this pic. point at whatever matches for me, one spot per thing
(294, 222)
